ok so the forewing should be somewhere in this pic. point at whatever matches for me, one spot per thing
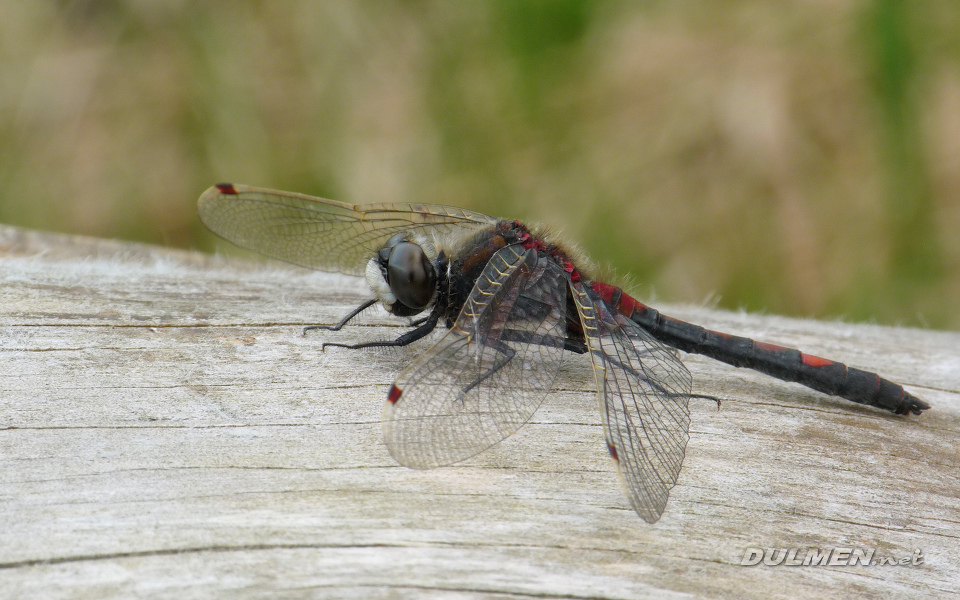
(490, 372)
(321, 234)
(643, 390)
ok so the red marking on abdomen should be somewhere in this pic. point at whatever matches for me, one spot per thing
(620, 300)
(394, 394)
(226, 188)
(815, 361)
(605, 290)
(628, 304)
(770, 347)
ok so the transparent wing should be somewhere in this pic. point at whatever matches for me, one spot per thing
(643, 390)
(490, 372)
(321, 234)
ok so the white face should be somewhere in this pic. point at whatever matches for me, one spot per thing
(379, 285)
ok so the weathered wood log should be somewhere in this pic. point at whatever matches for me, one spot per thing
(165, 429)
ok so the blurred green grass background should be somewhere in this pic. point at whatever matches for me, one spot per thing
(791, 157)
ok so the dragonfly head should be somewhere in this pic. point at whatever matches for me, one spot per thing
(402, 276)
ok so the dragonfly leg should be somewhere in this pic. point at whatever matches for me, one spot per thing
(507, 353)
(572, 345)
(408, 338)
(702, 397)
(418, 322)
(526, 337)
(502, 349)
(353, 313)
(641, 376)
(579, 347)
(569, 344)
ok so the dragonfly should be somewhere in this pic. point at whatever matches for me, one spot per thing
(514, 303)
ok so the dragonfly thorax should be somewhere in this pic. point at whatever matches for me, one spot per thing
(402, 276)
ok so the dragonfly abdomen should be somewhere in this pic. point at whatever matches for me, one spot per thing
(821, 374)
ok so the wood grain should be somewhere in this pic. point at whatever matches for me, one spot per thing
(166, 431)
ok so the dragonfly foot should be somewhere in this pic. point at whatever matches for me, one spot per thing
(323, 346)
(324, 327)
(705, 397)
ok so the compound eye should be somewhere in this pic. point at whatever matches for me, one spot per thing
(411, 277)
